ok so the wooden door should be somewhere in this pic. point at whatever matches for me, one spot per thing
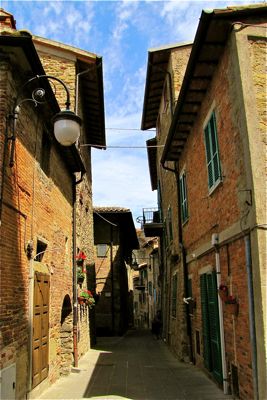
(40, 328)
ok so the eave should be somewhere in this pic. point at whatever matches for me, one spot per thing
(210, 40)
(152, 162)
(17, 48)
(157, 64)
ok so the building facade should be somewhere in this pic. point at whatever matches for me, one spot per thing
(115, 238)
(215, 146)
(43, 209)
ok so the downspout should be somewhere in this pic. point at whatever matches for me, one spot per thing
(252, 329)
(215, 243)
(74, 278)
(112, 280)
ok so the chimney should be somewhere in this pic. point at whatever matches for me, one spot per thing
(6, 20)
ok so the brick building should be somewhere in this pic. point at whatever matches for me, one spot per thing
(215, 146)
(45, 198)
(165, 71)
(115, 238)
(146, 288)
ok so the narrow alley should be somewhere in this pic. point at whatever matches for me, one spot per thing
(136, 367)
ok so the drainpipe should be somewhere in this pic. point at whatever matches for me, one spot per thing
(74, 276)
(31, 294)
(112, 281)
(252, 329)
(215, 243)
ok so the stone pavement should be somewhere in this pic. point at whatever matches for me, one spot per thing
(133, 367)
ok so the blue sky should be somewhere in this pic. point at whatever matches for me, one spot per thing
(121, 32)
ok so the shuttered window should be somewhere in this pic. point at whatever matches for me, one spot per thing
(183, 197)
(212, 153)
(210, 325)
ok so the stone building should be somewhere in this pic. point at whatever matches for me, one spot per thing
(146, 289)
(165, 71)
(215, 145)
(45, 196)
(115, 239)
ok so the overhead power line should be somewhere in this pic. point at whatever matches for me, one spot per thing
(120, 147)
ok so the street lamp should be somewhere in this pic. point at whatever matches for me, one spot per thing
(66, 123)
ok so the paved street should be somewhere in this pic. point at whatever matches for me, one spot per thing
(135, 367)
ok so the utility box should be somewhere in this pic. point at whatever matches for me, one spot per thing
(8, 383)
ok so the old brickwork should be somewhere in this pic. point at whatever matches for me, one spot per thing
(60, 62)
(174, 327)
(215, 213)
(36, 207)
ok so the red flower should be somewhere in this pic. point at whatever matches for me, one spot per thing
(223, 288)
(81, 256)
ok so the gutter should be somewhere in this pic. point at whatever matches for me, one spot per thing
(203, 27)
(74, 276)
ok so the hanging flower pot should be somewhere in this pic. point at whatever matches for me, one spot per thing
(232, 305)
(223, 292)
(80, 258)
(81, 300)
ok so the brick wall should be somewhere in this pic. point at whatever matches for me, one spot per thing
(64, 67)
(36, 206)
(174, 328)
(217, 212)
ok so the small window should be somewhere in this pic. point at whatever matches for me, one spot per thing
(40, 250)
(150, 288)
(183, 197)
(45, 153)
(174, 294)
(102, 250)
(212, 153)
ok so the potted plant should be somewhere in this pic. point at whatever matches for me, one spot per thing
(80, 275)
(232, 305)
(88, 298)
(223, 292)
(80, 258)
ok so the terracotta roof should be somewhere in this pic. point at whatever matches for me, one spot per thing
(157, 63)
(111, 209)
(210, 40)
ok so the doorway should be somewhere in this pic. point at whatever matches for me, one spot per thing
(40, 339)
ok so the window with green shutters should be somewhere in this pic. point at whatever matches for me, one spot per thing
(212, 152)
(210, 325)
(183, 198)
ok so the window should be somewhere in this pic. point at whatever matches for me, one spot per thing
(183, 198)
(174, 294)
(212, 153)
(102, 250)
(40, 250)
(45, 153)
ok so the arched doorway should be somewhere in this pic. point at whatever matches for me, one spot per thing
(66, 336)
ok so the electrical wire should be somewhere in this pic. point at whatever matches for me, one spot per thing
(130, 129)
(120, 147)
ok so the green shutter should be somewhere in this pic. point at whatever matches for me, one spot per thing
(183, 197)
(214, 327)
(212, 152)
(205, 322)
(210, 325)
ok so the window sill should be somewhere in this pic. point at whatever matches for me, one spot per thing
(215, 186)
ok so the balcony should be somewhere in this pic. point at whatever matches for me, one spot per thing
(152, 223)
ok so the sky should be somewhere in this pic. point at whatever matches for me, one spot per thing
(121, 32)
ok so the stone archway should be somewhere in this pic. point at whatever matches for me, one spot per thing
(66, 336)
